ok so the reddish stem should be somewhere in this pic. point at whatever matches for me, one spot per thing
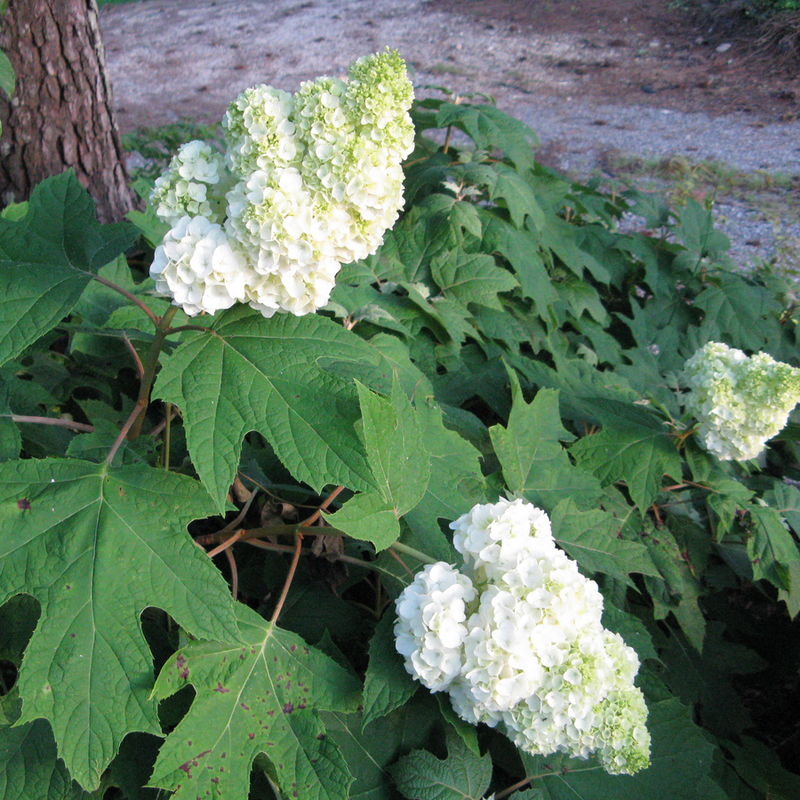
(289, 578)
(234, 574)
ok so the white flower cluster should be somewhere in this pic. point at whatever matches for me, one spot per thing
(740, 401)
(308, 183)
(516, 639)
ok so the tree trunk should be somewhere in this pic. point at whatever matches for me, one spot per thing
(60, 115)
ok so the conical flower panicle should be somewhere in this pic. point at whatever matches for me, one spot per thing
(515, 637)
(308, 183)
(740, 401)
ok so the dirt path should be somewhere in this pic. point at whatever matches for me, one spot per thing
(172, 58)
(587, 75)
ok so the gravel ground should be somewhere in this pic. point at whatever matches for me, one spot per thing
(173, 58)
(578, 140)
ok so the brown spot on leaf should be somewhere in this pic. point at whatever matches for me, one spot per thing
(24, 504)
(221, 689)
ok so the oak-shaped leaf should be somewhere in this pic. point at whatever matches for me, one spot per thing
(462, 776)
(30, 769)
(533, 460)
(489, 128)
(634, 446)
(772, 550)
(247, 373)
(471, 278)
(387, 684)
(369, 751)
(590, 537)
(47, 259)
(455, 482)
(259, 698)
(96, 546)
(399, 461)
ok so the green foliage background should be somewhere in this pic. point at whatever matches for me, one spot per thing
(506, 338)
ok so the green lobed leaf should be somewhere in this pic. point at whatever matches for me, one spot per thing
(400, 465)
(584, 391)
(369, 752)
(522, 249)
(562, 239)
(696, 231)
(582, 297)
(422, 234)
(387, 684)
(260, 698)
(461, 776)
(633, 446)
(785, 500)
(269, 375)
(491, 128)
(396, 451)
(30, 768)
(471, 278)
(771, 548)
(505, 187)
(759, 765)
(530, 452)
(96, 546)
(466, 216)
(47, 259)
(590, 537)
(450, 319)
(455, 482)
(740, 314)
(368, 517)
(727, 497)
(683, 585)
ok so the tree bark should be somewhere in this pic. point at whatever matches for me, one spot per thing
(61, 114)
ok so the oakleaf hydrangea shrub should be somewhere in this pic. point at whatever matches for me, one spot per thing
(515, 637)
(505, 339)
(740, 401)
(307, 183)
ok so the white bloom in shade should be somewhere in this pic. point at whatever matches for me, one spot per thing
(522, 645)
(187, 187)
(492, 538)
(740, 401)
(430, 627)
(200, 266)
(311, 182)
